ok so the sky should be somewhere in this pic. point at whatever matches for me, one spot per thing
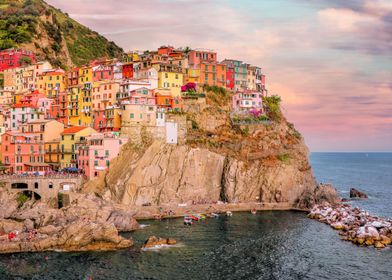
(330, 60)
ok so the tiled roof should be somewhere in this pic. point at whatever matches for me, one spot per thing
(73, 129)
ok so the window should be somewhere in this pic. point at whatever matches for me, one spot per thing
(132, 116)
(96, 153)
(36, 185)
(50, 185)
(95, 162)
(106, 153)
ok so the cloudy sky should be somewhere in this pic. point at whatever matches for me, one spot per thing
(330, 60)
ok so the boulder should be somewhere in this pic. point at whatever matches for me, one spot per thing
(123, 220)
(354, 193)
(7, 226)
(154, 241)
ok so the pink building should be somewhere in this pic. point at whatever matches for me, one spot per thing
(195, 57)
(143, 96)
(95, 156)
(23, 152)
(247, 100)
(102, 72)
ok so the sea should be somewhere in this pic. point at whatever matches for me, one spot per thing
(269, 245)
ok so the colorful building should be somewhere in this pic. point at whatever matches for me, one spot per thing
(221, 72)
(99, 149)
(196, 57)
(52, 154)
(51, 83)
(247, 100)
(71, 138)
(127, 71)
(12, 58)
(166, 101)
(171, 77)
(207, 73)
(23, 153)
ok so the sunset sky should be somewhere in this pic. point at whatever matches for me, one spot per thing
(330, 60)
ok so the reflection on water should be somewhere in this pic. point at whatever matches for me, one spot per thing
(269, 245)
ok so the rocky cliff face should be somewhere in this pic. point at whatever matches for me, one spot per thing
(267, 163)
(89, 223)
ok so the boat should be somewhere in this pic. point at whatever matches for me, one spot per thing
(195, 218)
(215, 215)
(202, 216)
(188, 221)
(253, 211)
(229, 214)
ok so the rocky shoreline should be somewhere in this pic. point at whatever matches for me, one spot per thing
(354, 224)
(89, 223)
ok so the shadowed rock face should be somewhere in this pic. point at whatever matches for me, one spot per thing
(89, 223)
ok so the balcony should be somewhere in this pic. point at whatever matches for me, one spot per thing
(68, 151)
(53, 151)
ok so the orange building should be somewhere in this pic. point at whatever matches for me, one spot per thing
(168, 102)
(207, 73)
(221, 75)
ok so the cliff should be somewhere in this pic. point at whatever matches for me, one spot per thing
(51, 34)
(265, 162)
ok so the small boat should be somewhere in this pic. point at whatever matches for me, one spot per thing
(195, 217)
(253, 211)
(229, 214)
(188, 221)
(215, 215)
(202, 216)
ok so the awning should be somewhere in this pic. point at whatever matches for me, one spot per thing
(37, 164)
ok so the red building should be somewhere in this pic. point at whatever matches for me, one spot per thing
(102, 72)
(230, 77)
(11, 58)
(127, 71)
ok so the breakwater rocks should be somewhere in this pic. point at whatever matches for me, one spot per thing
(89, 223)
(354, 224)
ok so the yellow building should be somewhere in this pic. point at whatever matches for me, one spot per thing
(85, 75)
(113, 118)
(170, 76)
(70, 139)
(51, 83)
(85, 105)
(74, 101)
(52, 153)
(192, 75)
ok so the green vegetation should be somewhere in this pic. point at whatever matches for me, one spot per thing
(35, 22)
(249, 119)
(25, 60)
(60, 200)
(22, 198)
(272, 104)
(195, 125)
(285, 158)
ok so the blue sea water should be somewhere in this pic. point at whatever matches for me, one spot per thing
(269, 245)
(368, 172)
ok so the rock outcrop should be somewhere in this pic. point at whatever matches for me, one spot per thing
(354, 224)
(154, 242)
(277, 170)
(354, 193)
(89, 223)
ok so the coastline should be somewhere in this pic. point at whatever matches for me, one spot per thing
(162, 212)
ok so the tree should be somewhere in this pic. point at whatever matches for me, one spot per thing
(25, 60)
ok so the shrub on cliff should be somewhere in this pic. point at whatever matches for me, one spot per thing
(272, 106)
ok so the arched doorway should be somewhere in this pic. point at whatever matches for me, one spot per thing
(26, 196)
